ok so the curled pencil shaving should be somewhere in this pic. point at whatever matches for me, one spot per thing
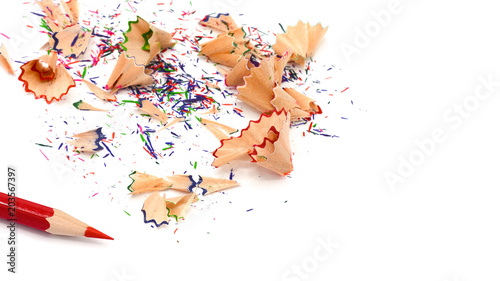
(302, 39)
(44, 78)
(171, 123)
(208, 185)
(263, 92)
(221, 22)
(212, 110)
(99, 92)
(72, 9)
(235, 76)
(279, 65)
(81, 105)
(274, 153)
(56, 18)
(67, 36)
(159, 210)
(258, 89)
(71, 41)
(127, 73)
(265, 142)
(219, 130)
(211, 85)
(148, 107)
(299, 105)
(177, 206)
(5, 59)
(88, 141)
(228, 48)
(142, 182)
(155, 209)
(240, 70)
(144, 41)
(222, 69)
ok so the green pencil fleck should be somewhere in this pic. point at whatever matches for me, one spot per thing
(131, 101)
(282, 28)
(77, 104)
(84, 72)
(43, 145)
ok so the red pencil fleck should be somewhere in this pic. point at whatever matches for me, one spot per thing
(148, 151)
(175, 230)
(344, 90)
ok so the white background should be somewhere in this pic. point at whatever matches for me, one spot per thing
(441, 223)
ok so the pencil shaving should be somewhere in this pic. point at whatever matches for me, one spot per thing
(207, 185)
(55, 17)
(238, 72)
(81, 105)
(127, 73)
(213, 86)
(274, 152)
(5, 60)
(71, 41)
(219, 130)
(262, 91)
(155, 209)
(67, 37)
(279, 66)
(177, 206)
(212, 110)
(72, 9)
(228, 48)
(302, 39)
(45, 79)
(142, 182)
(144, 41)
(153, 111)
(171, 123)
(258, 88)
(99, 92)
(221, 22)
(299, 105)
(88, 141)
(265, 142)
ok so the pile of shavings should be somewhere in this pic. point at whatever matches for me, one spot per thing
(144, 88)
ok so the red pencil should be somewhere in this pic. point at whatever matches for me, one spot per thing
(45, 218)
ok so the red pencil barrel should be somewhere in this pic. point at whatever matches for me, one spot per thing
(26, 212)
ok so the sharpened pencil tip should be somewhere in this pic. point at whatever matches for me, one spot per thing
(94, 233)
